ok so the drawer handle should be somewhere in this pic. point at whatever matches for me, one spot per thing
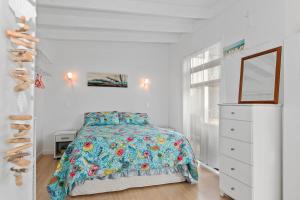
(232, 169)
(232, 113)
(232, 149)
(232, 129)
(232, 188)
(65, 138)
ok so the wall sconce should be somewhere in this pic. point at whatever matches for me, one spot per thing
(145, 83)
(69, 76)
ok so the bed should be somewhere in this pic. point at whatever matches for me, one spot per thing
(110, 157)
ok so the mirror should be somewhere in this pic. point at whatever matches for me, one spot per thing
(260, 76)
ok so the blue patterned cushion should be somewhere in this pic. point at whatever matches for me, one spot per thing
(133, 118)
(101, 118)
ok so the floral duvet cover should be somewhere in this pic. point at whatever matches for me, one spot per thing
(112, 151)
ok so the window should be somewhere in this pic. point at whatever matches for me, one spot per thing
(201, 88)
(205, 74)
(205, 65)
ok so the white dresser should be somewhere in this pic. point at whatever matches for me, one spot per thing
(250, 151)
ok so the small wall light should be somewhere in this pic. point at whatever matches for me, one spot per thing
(145, 83)
(70, 76)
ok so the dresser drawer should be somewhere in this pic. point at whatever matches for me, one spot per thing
(236, 112)
(235, 149)
(239, 130)
(234, 188)
(236, 169)
(64, 138)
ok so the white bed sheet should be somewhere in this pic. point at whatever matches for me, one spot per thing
(111, 185)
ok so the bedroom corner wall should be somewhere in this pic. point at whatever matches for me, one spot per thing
(61, 107)
(260, 22)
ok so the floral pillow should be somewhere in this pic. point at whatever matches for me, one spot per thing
(101, 118)
(133, 118)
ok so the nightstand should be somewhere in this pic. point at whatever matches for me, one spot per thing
(61, 141)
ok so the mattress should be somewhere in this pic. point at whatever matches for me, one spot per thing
(123, 183)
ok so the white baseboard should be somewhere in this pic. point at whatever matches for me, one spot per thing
(43, 152)
(47, 152)
(210, 168)
(38, 155)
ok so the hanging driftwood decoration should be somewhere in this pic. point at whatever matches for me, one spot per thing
(20, 74)
(21, 38)
(23, 133)
(20, 117)
(23, 27)
(18, 149)
(22, 77)
(22, 86)
(14, 34)
(21, 162)
(21, 56)
(17, 155)
(24, 52)
(18, 179)
(22, 42)
(18, 140)
(18, 175)
(22, 170)
(22, 127)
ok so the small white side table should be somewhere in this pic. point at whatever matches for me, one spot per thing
(61, 141)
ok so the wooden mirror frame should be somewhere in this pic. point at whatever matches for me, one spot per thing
(278, 51)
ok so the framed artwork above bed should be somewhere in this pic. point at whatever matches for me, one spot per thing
(107, 80)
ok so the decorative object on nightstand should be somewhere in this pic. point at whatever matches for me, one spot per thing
(61, 141)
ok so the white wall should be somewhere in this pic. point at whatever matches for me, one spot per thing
(291, 137)
(63, 107)
(259, 22)
(292, 16)
(8, 189)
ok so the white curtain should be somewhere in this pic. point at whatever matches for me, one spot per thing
(200, 108)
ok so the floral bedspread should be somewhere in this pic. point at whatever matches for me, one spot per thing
(112, 151)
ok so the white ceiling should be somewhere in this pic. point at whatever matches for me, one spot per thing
(155, 21)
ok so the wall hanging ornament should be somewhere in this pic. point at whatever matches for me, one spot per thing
(39, 83)
(17, 155)
(22, 52)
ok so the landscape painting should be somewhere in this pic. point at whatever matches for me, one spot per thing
(107, 80)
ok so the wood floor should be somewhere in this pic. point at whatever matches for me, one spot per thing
(206, 189)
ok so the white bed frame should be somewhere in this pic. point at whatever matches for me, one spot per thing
(111, 185)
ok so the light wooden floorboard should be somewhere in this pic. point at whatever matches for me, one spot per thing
(206, 189)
